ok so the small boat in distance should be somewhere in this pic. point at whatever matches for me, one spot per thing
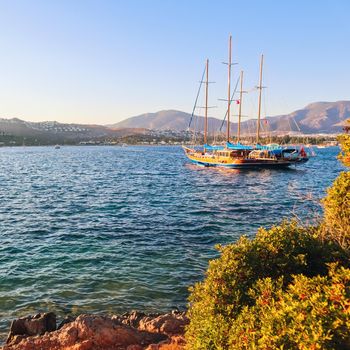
(57, 147)
(237, 155)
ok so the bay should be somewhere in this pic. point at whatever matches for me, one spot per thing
(109, 229)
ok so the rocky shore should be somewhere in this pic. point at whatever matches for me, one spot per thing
(130, 331)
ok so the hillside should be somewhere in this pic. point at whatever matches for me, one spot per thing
(165, 120)
(318, 117)
(315, 118)
(51, 132)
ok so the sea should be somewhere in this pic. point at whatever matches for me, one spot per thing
(108, 229)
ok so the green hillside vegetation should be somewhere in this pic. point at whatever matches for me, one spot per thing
(287, 288)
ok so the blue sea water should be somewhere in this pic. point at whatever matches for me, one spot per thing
(110, 229)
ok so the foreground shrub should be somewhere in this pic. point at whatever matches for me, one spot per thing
(282, 251)
(274, 291)
(344, 156)
(313, 313)
(336, 224)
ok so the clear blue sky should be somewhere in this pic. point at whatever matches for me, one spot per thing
(100, 61)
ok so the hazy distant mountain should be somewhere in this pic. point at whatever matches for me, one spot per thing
(315, 118)
(318, 117)
(164, 120)
(54, 132)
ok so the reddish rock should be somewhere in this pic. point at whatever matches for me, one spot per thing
(135, 347)
(66, 320)
(88, 332)
(170, 324)
(174, 343)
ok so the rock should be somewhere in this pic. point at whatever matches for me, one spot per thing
(89, 332)
(131, 331)
(31, 325)
(174, 343)
(170, 324)
(66, 320)
(132, 318)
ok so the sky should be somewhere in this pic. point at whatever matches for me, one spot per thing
(101, 61)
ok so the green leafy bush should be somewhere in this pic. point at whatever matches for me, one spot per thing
(344, 155)
(276, 291)
(282, 251)
(336, 223)
(313, 313)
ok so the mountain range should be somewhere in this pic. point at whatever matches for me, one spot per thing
(51, 132)
(315, 118)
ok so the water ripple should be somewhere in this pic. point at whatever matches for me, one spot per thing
(108, 229)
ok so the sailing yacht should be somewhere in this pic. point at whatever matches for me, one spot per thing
(237, 155)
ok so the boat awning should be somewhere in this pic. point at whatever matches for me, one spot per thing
(213, 148)
(238, 146)
(270, 147)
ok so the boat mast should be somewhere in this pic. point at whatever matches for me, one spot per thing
(240, 108)
(206, 104)
(229, 89)
(259, 103)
